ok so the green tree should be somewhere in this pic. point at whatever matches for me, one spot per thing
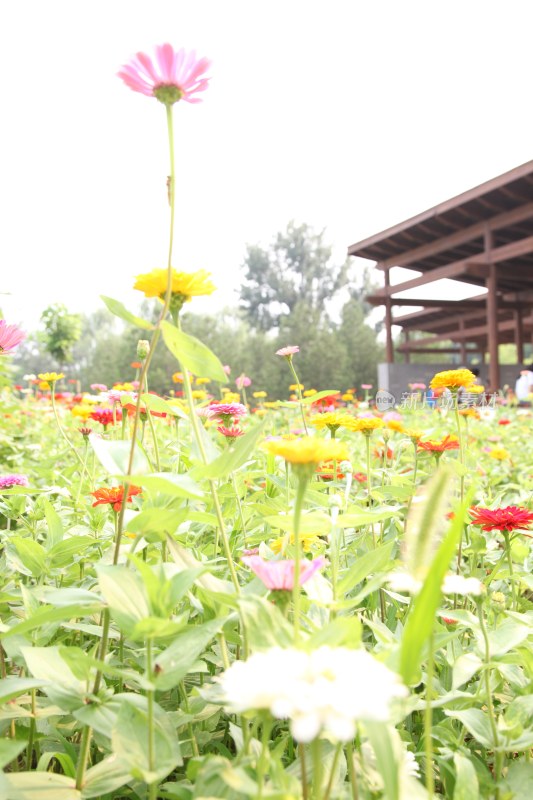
(297, 268)
(61, 332)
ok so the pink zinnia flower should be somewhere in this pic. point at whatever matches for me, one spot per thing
(227, 369)
(288, 351)
(226, 410)
(172, 75)
(278, 575)
(10, 336)
(243, 381)
(366, 386)
(98, 387)
(13, 480)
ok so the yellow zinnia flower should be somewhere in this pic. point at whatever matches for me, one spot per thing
(499, 453)
(309, 392)
(453, 379)
(232, 397)
(295, 386)
(260, 394)
(365, 424)
(413, 434)
(202, 381)
(309, 542)
(81, 411)
(395, 425)
(44, 385)
(50, 377)
(199, 394)
(186, 284)
(308, 450)
(347, 397)
(331, 420)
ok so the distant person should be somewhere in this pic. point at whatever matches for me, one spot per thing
(524, 386)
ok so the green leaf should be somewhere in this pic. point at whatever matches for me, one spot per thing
(125, 594)
(169, 483)
(192, 354)
(426, 523)
(519, 780)
(173, 664)
(119, 310)
(31, 553)
(12, 687)
(381, 739)
(156, 521)
(307, 401)
(265, 624)
(130, 739)
(185, 560)
(376, 560)
(477, 723)
(50, 614)
(104, 778)
(9, 750)
(114, 456)
(340, 632)
(55, 526)
(62, 554)
(466, 782)
(363, 518)
(233, 457)
(38, 786)
(421, 619)
(155, 403)
(314, 522)
(62, 686)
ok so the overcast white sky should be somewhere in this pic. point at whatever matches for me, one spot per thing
(350, 116)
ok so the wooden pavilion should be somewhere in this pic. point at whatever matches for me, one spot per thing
(482, 237)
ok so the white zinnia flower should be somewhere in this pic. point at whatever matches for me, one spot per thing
(456, 584)
(326, 690)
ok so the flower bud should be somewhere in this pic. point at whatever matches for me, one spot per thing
(143, 348)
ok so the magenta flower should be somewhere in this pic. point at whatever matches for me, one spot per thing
(10, 336)
(13, 480)
(278, 575)
(170, 76)
(288, 351)
(243, 381)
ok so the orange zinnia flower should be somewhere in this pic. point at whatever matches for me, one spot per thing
(114, 496)
(448, 443)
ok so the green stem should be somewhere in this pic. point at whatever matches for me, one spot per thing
(299, 393)
(239, 506)
(351, 771)
(152, 787)
(190, 729)
(157, 330)
(212, 484)
(368, 473)
(31, 735)
(263, 758)
(296, 589)
(60, 427)
(333, 771)
(462, 478)
(498, 759)
(305, 789)
(316, 749)
(83, 756)
(428, 718)
(83, 470)
(154, 439)
(509, 556)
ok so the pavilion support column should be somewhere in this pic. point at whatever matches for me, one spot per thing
(407, 352)
(462, 344)
(389, 349)
(492, 316)
(519, 336)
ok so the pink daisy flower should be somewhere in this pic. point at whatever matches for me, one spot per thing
(243, 381)
(278, 575)
(10, 336)
(227, 410)
(171, 75)
(288, 351)
(13, 480)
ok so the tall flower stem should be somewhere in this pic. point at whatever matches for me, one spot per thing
(316, 749)
(509, 556)
(212, 484)
(428, 718)
(83, 469)
(296, 589)
(368, 472)
(60, 427)
(331, 780)
(351, 771)
(239, 506)
(299, 393)
(462, 477)
(498, 756)
(164, 311)
(152, 787)
(305, 789)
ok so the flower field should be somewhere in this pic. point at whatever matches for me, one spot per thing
(211, 595)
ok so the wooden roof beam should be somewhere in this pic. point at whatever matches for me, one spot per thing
(469, 333)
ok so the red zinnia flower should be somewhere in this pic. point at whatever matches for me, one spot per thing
(504, 421)
(105, 415)
(230, 433)
(448, 443)
(325, 471)
(114, 496)
(501, 519)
